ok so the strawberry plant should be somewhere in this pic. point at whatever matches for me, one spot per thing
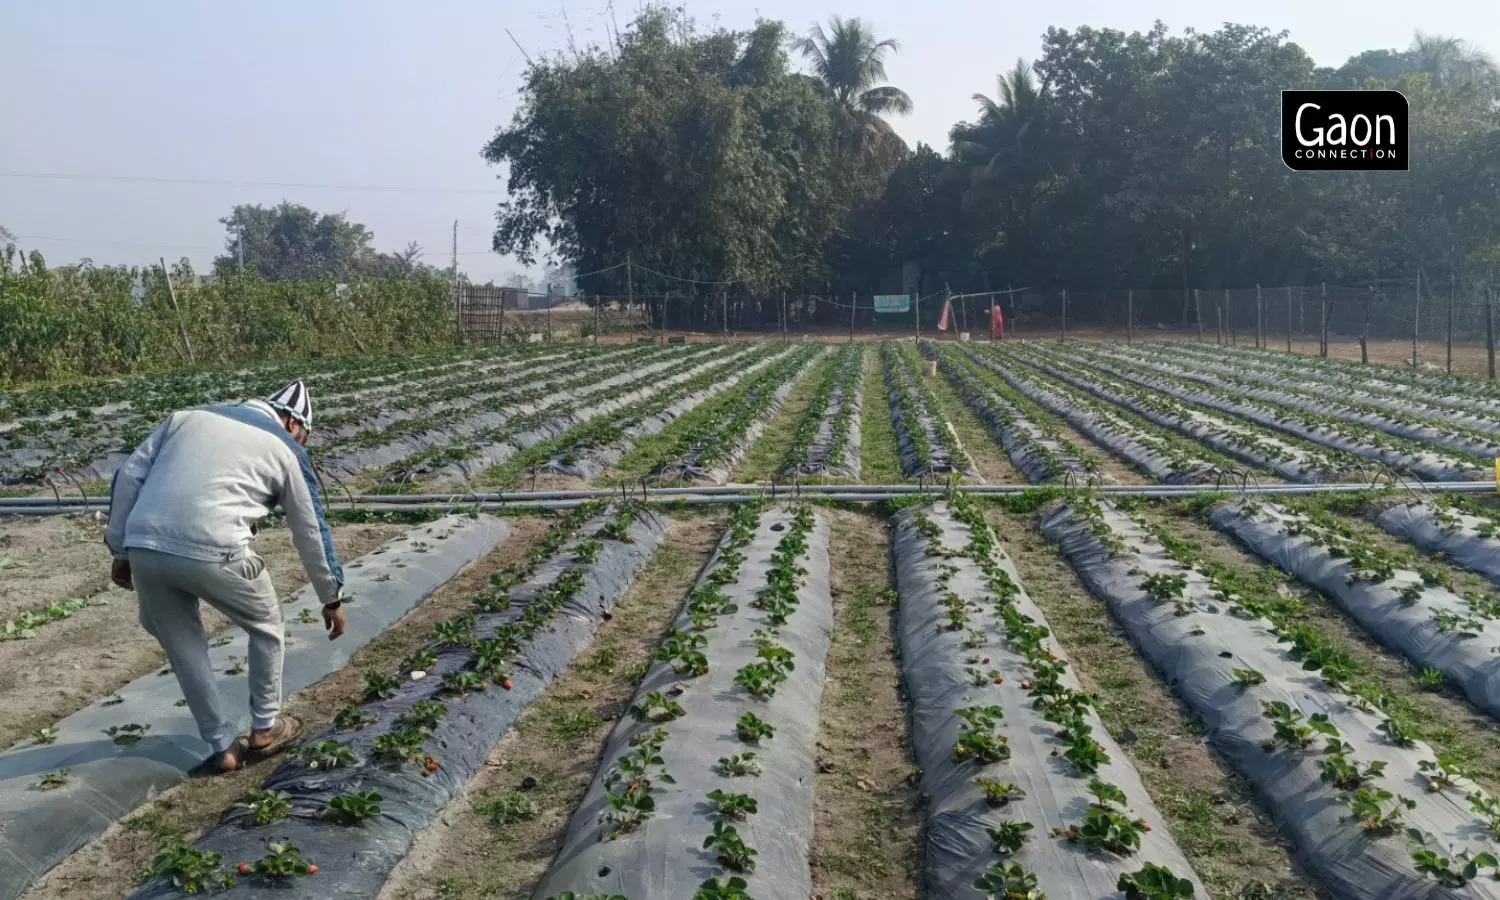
(732, 888)
(236, 666)
(573, 895)
(44, 736)
(1008, 881)
(1163, 586)
(684, 652)
(732, 806)
(1395, 733)
(1248, 677)
(1441, 868)
(51, 781)
(1291, 729)
(587, 551)
(507, 808)
(324, 755)
(461, 683)
(738, 764)
(730, 849)
(1443, 772)
(999, 793)
(760, 679)
(1009, 836)
(402, 745)
(1153, 882)
(751, 729)
(1489, 808)
(352, 809)
(282, 860)
(379, 686)
(127, 734)
(655, 707)
(306, 616)
(1108, 829)
(1376, 810)
(1086, 755)
(352, 718)
(1105, 793)
(628, 808)
(1342, 771)
(189, 869)
(266, 806)
(458, 632)
(111, 699)
(423, 714)
(420, 661)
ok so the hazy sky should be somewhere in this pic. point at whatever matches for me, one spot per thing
(375, 92)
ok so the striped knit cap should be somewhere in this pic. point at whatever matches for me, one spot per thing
(293, 400)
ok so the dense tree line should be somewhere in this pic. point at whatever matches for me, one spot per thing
(1145, 160)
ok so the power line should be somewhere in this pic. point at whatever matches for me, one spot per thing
(224, 182)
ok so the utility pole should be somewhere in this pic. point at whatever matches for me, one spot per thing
(1219, 319)
(596, 320)
(188, 347)
(1198, 312)
(1130, 317)
(724, 311)
(666, 301)
(853, 309)
(630, 283)
(1064, 338)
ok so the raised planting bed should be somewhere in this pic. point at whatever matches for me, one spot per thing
(928, 447)
(142, 740)
(1407, 609)
(1288, 457)
(1026, 791)
(1359, 439)
(1039, 453)
(1401, 418)
(1165, 457)
(1348, 786)
(716, 442)
(598, 447)
(826, 442)
(1441, 526)
(354, 796)
(705, 787)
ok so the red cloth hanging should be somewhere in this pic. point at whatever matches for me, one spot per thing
(997, 323)
(945, 321)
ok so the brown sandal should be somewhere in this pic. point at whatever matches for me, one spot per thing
(281, 736)
(228, 761)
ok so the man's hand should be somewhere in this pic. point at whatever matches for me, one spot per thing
(333, 620)
(119, 573)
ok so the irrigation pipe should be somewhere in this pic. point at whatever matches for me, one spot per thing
(840, 493)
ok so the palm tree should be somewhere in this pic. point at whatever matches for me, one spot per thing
(850, 63)
(1452, 62)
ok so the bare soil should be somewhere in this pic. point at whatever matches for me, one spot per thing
(1232, 845)
(557, 741)
(51, 558)
(72, 662)
(867, 810)
(109, 866)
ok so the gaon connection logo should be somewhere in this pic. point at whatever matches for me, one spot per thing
(1344, 131)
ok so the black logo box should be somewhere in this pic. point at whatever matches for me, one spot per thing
(1344, 131)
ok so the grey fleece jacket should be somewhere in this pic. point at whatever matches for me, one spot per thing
(194, 487)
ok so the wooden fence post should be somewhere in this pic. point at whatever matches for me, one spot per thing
(1064, 338)
(1364, 331)
(1229, 316)
(1198, 312)
(1219, 319)
(1323, 318)
(1452, 283)
(1130, 317)
(724, 311)
(1289, 320)
(596, 320)
(1260, 321)
(1489, 327)
(853, 308)
(1416, 326)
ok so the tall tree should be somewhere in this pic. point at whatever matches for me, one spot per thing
(1452, 62)
(849, 61)
(292, 242)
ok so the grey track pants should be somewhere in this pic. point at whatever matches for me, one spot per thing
(169, 588)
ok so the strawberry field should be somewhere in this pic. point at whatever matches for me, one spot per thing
(790, 620)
